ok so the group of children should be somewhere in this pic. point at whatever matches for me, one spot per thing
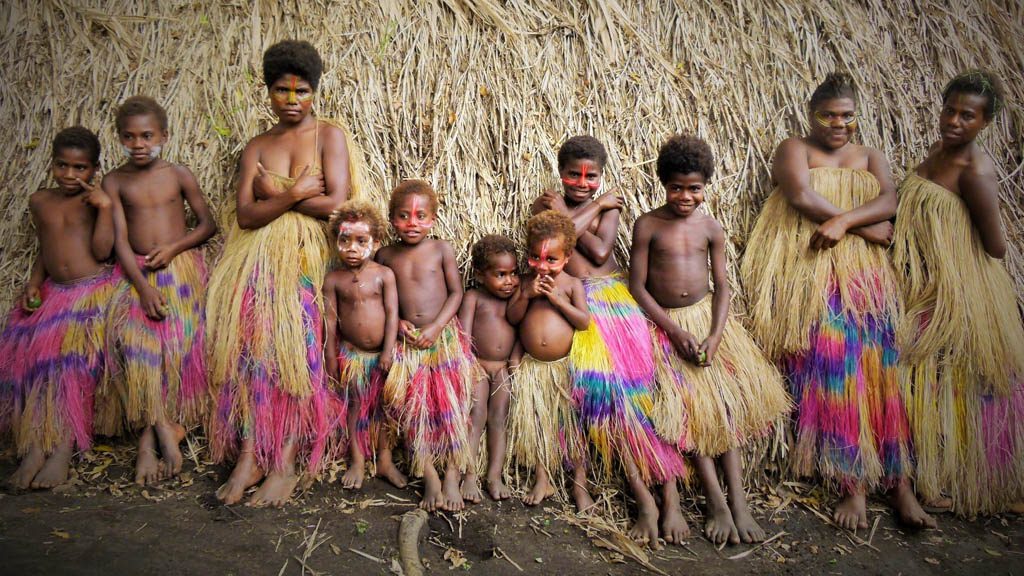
(577, 372)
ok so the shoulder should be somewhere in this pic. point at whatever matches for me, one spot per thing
(981, 164)
(40, 197)
(645, 223)
(384, 253)
(332, 277)
(442, 246)
(791, 146)
(712, 226)
(872, 154)
(181, 172)
(330, 131)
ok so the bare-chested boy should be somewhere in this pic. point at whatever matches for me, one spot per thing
(429, 388)
(717, 388)
(158, 380)
(482, 315)
(51, 350)
(547, 308)
(361, 312)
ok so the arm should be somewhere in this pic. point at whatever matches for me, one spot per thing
(792, 173)
(38, 275)
(575, 309)
(875, 211)
(387, 353)
(337, 178)
(722, 295)
(467, 312)
(453, 283)
(979, 191)
(103, 228)
(600, 246)
(151, 300)
(330, 326)
(256, 214)
(520, 301)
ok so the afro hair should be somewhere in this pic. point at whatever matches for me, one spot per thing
(140, 106)
(580, 148)
(685, 154)
(358, 211)
(835, 85)
(982, 83)
(292, 57)
(411, 187)
(78, 138)
(551, 224)
(488, 247)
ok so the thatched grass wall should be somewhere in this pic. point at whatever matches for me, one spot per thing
(475, 95)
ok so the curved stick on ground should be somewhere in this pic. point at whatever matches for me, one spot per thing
(408, 542)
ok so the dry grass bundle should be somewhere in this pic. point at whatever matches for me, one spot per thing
(475, 95)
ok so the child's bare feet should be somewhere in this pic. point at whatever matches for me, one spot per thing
(170, 436)
(645, 530)
(584, 502)
(673, 526)
(29, 467)
(452, 496)
(471, 489)
(246, 474)
(387, 470)
(276, 490)
(719, 527)
(433, 498)
(940, 505)
(147, 465)
(55, 470)
(852, 512)
(748, 529)
(497, 489)
(542, 489)
(353, 478)
(908, 510)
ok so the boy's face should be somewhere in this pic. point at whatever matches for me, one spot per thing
(962, 118)
(580, 179)
(291, 98)
(142, 139)
(684, 193)
(547, 256)
(69, 165)
(501, 277)
(834, 121)
(355, 243)
(413, 218)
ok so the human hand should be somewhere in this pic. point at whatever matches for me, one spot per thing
(408, 330)
(153, 303)
(707, 350)
(308, 185)
(427, 336)
(160, 256)
(829, 233)
(264, 186)
(880, 233)
(31, 299)
(609, 201)
(94, 195)
(684, 343)
(387, 359)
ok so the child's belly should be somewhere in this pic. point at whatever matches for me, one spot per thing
(545, 333)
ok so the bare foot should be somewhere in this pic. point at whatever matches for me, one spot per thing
(27, 470)
(542, 489)
(170, 436)
(941, 505)
(433, 498)
(645, 530)
(147, 466)
(584, 502)
(245, 475)
(453, 501)
(276, 490)
(719, 527)
(673, 526)
(747, 528)
(497, 489)
(908, 510)
(852, 512)
(353, 478)
(471, 489)
(388, 471)
(55, 470)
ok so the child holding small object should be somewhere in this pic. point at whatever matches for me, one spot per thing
(429, 388)
(483, 317)
(51, 349)
(716, 388)
(361, 312)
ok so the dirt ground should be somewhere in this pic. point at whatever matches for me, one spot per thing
(103, 524)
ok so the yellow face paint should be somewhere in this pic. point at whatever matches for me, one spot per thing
(824, 120)
(292, 96)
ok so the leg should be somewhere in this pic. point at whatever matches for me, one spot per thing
(450, 491)
(147, 466)
(433, 499)
(748, 529)
(645, 530)
(580, 494)
(246, 474)
(170, 436)
(478, 417)
(353, 478)
(497, 420)
(277, 489)
(542, 487)
(673, 525)
(55, 470)
(852, 512)
(908, 510)
(719, 527)
(29, 467)
(386, 468)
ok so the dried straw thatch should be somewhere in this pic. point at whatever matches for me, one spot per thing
(475, 95)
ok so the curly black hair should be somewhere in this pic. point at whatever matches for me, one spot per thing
(488, 247)
(358, 211)
(582, 147)
(835, 85)
(982, 83)
(685, 154)
(140, 106)
(412, 187)
(296, 57)
(551, 224)
(78, 138)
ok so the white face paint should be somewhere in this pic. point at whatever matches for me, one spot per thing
(154, 152)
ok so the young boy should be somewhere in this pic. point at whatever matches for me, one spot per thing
(156, 347)
(723, 384)
(429, 388)
(548, 308)
(361, 311)
(482, 315)
(51, 350)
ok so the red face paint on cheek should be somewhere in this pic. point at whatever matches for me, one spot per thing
(536, 262)
(581, 182)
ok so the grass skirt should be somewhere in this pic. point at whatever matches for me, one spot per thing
(156, 368)
(713, 409)
(265, 343)
(963, 342)
(428, 393)
(362, 381)
(614, 383)
(51, 362)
